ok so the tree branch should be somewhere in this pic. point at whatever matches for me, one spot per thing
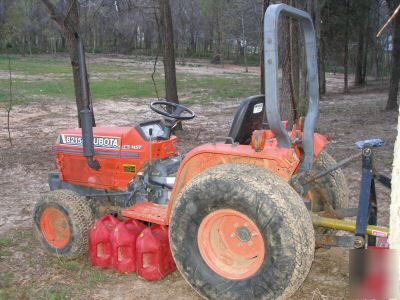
(53, 12)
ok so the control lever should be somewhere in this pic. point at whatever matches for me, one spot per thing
(150, 138)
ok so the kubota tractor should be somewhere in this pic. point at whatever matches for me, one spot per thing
(238, 212)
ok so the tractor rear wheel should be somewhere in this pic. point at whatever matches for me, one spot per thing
(331, 190)
(62, 220)
(241, 232)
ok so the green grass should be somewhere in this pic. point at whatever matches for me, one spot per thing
(70, 265)
(47, 78)
(73, 279)
(5, 242)
(4, 253)
(4, 295)
(45, 65)
(208, 88)
(52, 292)
(6, 279)
(96, 276)
(35, 65)
(114, 89)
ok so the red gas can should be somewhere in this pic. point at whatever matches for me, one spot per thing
(123, 241)
(153, 255)
(100, 250)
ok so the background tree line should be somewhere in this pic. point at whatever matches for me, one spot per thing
(221, 30)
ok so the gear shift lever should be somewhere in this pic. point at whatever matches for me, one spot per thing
(150, 140)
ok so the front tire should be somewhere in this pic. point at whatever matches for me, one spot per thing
(241, 232)
(62, 220)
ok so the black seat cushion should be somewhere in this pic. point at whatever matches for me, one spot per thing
(249, 117)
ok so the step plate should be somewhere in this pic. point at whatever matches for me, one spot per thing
(147, 211)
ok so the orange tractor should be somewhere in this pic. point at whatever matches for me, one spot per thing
(238, 212)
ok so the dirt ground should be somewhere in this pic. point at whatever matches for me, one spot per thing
(26, 272)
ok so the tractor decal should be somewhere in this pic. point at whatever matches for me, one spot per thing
(258, 108)
(114, 154)
(98, 141)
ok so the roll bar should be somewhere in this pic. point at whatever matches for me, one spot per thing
(271, 22)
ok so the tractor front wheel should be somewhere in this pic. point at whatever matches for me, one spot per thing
(241, 232)
(62, 219)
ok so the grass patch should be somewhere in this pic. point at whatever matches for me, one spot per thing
(5, 295)
(34, 65)
(6, 279)
(4, 253)
(53, 80)
(57, 291)
(5, 242)
(47, 65)
(96, 276)
(209, 88)
(114, 89)
(71, 266)
(75, 279)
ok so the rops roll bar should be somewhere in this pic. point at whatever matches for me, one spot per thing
(271, 22)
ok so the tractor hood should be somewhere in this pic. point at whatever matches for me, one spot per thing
(121, 152)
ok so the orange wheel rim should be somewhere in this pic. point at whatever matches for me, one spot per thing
(55, 228)
(231, 244)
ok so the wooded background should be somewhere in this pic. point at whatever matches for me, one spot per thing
(218, 30)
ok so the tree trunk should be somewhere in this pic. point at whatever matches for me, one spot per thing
(320, 47)
(346, 49)
(295, 55)
(69, 26)
(134, 45)
(392, 103)
(147, 37)
(303, 72)
(217, 55)
(368, 29)
(244, 45)
(394, 238)
(288, 104)
(171, 92)
(358, 80)
(193, 44)
(265, 5)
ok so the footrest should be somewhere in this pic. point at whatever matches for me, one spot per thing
(148, 212)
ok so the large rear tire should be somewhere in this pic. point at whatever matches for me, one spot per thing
(241, 232)
(62, 220)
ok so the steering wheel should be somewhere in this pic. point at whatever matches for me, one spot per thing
(172, 110)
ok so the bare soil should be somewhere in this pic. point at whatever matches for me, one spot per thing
(26, 272)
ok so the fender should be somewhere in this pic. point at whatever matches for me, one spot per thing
(284, 162)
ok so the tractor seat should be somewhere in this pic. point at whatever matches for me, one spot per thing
(249, 117)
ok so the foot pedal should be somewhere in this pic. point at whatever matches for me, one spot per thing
(148, 212)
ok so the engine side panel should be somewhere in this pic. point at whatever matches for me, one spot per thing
(122, 152)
